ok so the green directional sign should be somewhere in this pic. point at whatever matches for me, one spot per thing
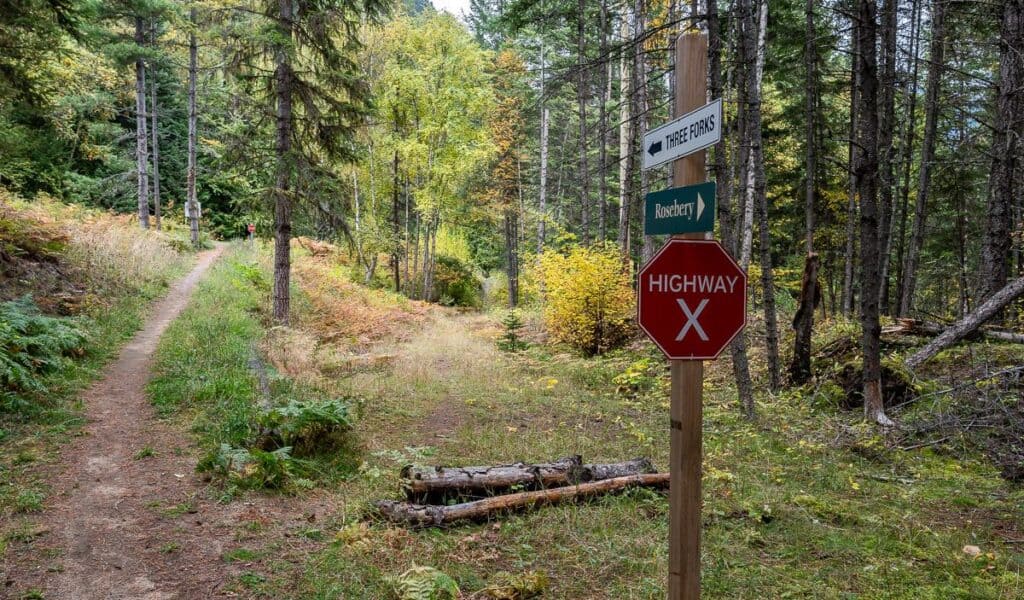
(687, 209)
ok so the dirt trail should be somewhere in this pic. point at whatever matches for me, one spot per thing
(119, 526)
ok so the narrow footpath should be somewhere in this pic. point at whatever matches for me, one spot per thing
(106, 531)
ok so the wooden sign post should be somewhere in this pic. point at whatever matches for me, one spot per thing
(687, 375)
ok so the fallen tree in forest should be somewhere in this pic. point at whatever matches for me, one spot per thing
(964, 327)
(440, 484)
(918, 327)
(420, 515)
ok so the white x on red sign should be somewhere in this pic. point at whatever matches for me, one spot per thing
(691, 319)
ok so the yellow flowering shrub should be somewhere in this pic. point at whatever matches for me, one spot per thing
(589, 300)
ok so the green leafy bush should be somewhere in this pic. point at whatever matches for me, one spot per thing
(455, 282)
(31, 345)
(307, 426)
(250, 468)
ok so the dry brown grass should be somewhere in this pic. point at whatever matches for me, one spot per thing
(346, 314)
(83, 255)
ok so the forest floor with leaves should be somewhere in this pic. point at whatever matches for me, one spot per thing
(808, 502)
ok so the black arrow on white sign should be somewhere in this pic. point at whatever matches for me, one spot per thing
(654, 149)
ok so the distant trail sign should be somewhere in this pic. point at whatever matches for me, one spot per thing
(689, 133)
(686, 209)
(692, 299)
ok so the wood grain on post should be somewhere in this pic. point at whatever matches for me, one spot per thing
(687, 375)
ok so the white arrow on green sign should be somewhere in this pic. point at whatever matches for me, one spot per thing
(687, 209)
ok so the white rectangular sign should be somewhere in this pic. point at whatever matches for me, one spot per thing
(689, 133)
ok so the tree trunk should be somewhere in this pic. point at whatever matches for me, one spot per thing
(625, 138)
(602, 181)
(542, 203)
(931, 107)
(190, 177)
(738, 347)
(886, 149)
(958, 331)
(156, 145)
(851, 202)
(396, 226)
(907, 150)
(811, 106)
(283, 79)
(141, 150)
(998, 241)
(512, 256)
(417, 515)
(581, 99)
(754, 49)
(803, 322)
(866, 172)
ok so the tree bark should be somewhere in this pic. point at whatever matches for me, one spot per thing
(283, 79)
(907, 149)
(512, 256)
(727, 221)
(438, 485)
(886, 149)
(866, 172)
(581, 99)
(961, 329)
(625, 139)
(803, 322)
(931, 119)
(602, 181)
(156, 139)
(542, 202)
(141, 150)
(417, 515)
(851, 203)
(811, 107)
(190, 176)
(998, 241)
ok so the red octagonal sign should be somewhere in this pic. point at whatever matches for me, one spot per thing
(692, 299)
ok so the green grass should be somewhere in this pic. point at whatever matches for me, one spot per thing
(203, 371)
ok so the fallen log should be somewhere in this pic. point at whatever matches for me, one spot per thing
(930, 329)
(430, 484)
(964, 327)
(438, 485)
(420, 515)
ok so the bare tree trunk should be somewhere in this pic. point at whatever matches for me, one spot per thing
(851, 203)
(931, 119)
(866, 172)
(641, 116)
(190, 177)
(396, 227)
(886, 149)
(283, 77)
(625, 137)
(581, 99)
(907, 150)
(811, 91)
(602, 181)
(141, 151)
(998, 241)
(156, 140)
(803, 322)
(753, 52)
(738, 347)
(511, 257)
(542, 203)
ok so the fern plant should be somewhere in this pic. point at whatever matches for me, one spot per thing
(32, 344)
(425, 583)
(308, 426)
